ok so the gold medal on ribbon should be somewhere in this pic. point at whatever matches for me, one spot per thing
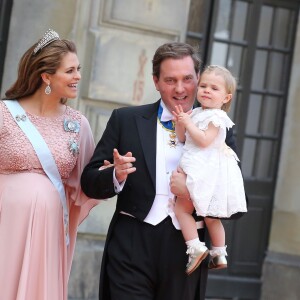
(172, 142)
(172, 134)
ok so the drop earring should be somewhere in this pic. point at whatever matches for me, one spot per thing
(48, 89)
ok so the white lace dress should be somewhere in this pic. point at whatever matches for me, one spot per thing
(214, 178)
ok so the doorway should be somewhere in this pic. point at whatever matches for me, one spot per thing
(255, 41)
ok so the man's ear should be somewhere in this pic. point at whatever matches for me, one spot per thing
(155, 80)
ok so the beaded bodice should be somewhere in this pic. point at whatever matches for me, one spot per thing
(18, 155)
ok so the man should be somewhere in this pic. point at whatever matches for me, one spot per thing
(144, 256)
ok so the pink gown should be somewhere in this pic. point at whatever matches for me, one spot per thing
(34, 259)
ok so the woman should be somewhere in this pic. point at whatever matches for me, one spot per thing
(39, 211)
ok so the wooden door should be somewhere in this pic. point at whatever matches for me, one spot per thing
(255, 40)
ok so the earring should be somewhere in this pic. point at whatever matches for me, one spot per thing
(48, 89)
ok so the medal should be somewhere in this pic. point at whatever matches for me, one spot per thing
(172, 142)
(169, 126)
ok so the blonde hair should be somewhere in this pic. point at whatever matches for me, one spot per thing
(230, 81)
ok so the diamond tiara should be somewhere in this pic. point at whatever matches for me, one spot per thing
(49, 36)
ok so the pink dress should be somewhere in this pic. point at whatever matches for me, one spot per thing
(34, 259)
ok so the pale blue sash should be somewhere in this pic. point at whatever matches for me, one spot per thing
(44, 154)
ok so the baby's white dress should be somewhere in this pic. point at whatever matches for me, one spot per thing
(214, 178)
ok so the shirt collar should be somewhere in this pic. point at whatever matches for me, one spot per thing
(166, 114)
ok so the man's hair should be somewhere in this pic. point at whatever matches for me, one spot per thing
(174, 50)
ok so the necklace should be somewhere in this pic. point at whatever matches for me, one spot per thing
(172, 134)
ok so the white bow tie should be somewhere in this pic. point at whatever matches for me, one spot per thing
(166, 115)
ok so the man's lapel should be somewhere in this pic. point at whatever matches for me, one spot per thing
(147, 124)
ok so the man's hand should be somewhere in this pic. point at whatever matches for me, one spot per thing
(106, 164)
(178, 184)
(123, 165)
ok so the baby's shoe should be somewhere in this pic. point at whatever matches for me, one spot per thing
(218, 258)
(196, 255)
(218, 262)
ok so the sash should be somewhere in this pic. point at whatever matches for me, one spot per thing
(44, 155)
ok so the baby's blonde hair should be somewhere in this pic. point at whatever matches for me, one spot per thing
(230, 81)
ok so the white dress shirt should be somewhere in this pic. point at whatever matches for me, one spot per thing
(167, 159)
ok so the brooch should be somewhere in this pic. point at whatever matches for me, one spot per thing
(73, 147)
(21, 118)
(71, 125)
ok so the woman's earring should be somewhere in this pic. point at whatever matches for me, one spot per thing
(48, 89)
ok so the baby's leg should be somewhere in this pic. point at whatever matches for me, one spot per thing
(183, 211)
(196, 250)
(218, 250)
(216, 231)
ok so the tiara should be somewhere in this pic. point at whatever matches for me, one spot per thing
(49, 36)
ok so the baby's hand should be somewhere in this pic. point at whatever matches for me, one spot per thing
(175, 116)
(178, 111)
(180, 116)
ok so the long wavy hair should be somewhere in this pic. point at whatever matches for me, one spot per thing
(31, 66)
